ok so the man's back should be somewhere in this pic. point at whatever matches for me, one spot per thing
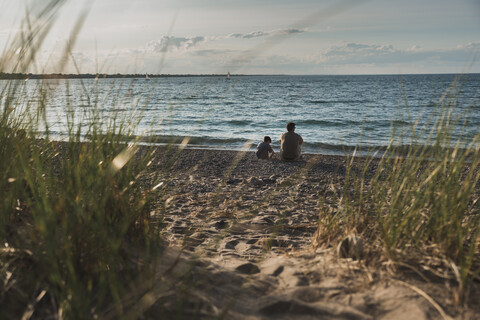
(290, 146)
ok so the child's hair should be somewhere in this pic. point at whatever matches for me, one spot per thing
(267, 139)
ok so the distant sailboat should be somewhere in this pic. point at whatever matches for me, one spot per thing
(228, 76)
(147, 77)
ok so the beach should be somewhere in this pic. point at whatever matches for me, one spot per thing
(240, 244)
(219, 234)
(130, 188)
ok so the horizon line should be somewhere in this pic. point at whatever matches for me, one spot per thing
(26, 76)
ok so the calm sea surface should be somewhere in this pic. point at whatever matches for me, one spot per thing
(331, 112)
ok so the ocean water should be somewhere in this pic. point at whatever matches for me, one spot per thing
(333, 114)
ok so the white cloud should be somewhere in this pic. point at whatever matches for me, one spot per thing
(470, 46)
(257, 34)
(356, 53)
(340, 58)
(169, 43)
(203, 55)
(290, 31)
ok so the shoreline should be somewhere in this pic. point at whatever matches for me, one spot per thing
(336, 151)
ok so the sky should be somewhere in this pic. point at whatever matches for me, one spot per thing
(255, 36)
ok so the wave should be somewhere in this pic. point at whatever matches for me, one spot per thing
(238, 122)
(401, 150)
(334, 101)
(372, 124)
(318, 101)
(332, 122)
(205, 141)
(388, 124)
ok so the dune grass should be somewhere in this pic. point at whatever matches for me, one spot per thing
(76, 237)
(417, 206)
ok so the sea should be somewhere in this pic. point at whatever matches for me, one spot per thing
(333, 113)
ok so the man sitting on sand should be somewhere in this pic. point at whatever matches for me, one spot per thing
(290, 144)
(264, 150)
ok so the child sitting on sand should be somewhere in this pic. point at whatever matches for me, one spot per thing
(264, 150)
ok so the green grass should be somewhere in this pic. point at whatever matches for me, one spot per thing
(75, 223)
(76, 236)
(417, 206)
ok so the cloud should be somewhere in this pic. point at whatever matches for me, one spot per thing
(257, 34)
(469, 46)
(290, 31)
(213, 53)
(169, 43)
(357, 53)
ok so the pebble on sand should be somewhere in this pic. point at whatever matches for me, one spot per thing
(350, 247)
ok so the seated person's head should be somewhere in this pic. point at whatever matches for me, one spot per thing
(290, 126)
(267, 139)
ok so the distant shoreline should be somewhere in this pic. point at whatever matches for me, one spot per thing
(24, 76)
(27, 76)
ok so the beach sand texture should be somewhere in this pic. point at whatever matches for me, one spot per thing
(239, 233)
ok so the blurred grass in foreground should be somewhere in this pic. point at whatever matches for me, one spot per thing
(76, 241)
